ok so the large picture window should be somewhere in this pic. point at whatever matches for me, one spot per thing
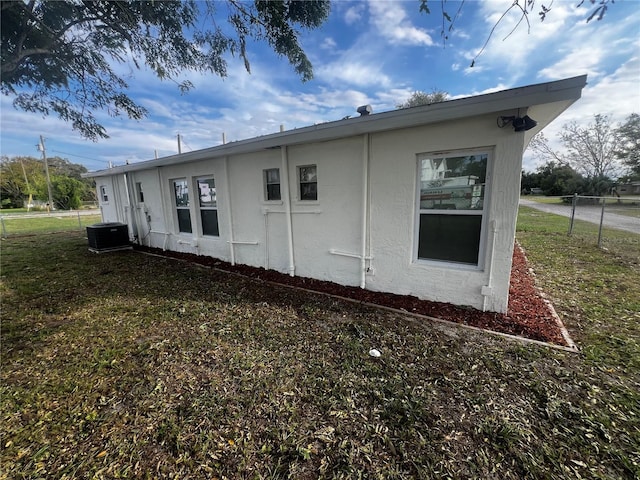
(451, 198)
(181, 195)
(208, 206)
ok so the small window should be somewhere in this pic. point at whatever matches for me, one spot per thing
(181, 192)
(308, 182)
(139, 192)
(103, 194)
(208, 206)
(451, 200)
(272, 184)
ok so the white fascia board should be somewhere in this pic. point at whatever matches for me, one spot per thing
(568, 90)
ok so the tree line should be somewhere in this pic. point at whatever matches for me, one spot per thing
(592, 160)
(22, 178)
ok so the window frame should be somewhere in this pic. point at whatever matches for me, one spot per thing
(266, 184)
(300, 182)
(104, 196)
(203, 210)
(178, 208)
(139, 193)
(482, 212)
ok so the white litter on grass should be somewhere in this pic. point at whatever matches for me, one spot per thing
(374, 353)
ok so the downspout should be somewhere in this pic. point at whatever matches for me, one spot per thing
(365, 208)
(164, 214)
(287, 207)
(132, 216)
(232, 252)
(266, 239)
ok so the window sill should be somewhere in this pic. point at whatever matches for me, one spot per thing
(446, 265)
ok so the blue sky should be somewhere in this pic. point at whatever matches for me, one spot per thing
(368, 52)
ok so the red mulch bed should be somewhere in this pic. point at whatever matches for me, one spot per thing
(528, 315)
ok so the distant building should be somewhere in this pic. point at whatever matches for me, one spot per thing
(630, 188)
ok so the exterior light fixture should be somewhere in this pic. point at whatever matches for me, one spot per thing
(520, 124)
(364, 110)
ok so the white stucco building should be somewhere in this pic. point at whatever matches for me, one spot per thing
(420, 201)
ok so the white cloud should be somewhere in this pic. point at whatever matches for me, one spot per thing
(392, 22)
(512, 46)
(354, 14)
(328, 44)
(353, 73)
(584, 60)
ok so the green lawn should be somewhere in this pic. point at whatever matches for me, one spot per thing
(46, 223)
(544, 199)
(124, 365)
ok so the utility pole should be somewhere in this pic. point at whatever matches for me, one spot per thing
(46, 169)
(179, 145)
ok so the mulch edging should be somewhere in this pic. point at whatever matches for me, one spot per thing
(529, 314)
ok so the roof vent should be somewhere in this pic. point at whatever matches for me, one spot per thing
(365, 110)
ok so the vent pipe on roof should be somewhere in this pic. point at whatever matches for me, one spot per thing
(365, 110)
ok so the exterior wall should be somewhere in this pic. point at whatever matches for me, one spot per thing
(327, 233)
(112, 208)
(332, 223)
(394, 177)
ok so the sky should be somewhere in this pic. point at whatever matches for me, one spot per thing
(368, 52)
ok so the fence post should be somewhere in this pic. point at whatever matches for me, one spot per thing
(604, 200)
(4, 228)
(79, 222)
(573, 212)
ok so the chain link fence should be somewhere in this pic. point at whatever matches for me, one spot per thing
(611, 222)
(43, 222)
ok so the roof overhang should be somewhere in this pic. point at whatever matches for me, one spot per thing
(547, 100)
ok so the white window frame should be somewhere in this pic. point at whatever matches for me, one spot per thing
(484, 212)
(207, 208)
(104, 196)
(300, 183)
(181, 207)
(266, 184)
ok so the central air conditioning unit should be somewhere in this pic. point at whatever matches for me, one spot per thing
(108, 237)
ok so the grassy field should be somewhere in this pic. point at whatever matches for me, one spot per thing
(544, 199)
(125, 365)
(46, 223)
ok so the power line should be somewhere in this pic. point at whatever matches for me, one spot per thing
(80, 156)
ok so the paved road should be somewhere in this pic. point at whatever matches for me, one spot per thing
(588, 213)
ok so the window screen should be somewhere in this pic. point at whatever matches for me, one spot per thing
(451, 199)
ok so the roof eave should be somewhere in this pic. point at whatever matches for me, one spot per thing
(568, 90)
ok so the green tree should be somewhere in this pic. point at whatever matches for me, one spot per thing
(67, 192)
(19, 177)
(529, 181)
(60, 57)
(24, 176)
(418, 98)
(62, 166)
(629, 147)
(559, 179)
